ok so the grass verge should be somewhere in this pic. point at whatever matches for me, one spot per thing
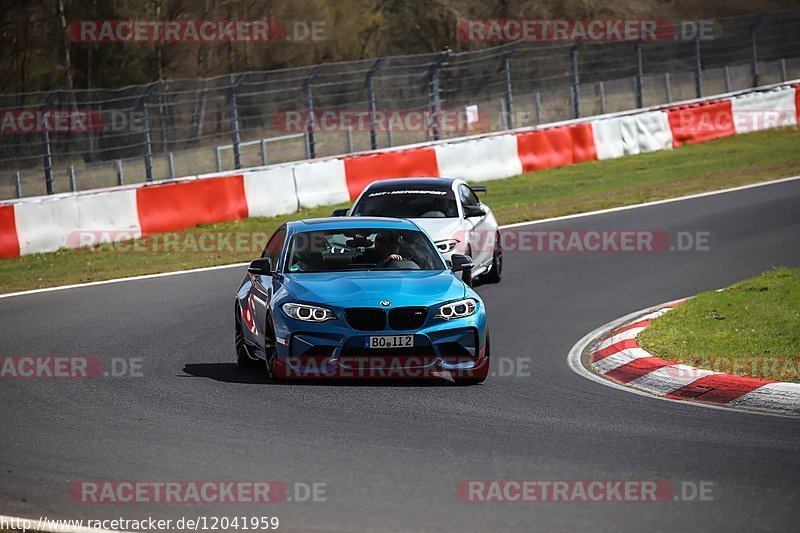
(751, 328)
(736, 160)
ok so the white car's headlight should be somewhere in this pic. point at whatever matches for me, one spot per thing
(308, 313)
(458, 309)
(447, 245)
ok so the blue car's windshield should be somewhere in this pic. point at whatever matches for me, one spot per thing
(361, 249)
(411, 203)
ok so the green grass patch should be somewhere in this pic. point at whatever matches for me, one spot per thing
(751, 328)
(736, 160)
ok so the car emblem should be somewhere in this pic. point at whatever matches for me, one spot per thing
(386, 303)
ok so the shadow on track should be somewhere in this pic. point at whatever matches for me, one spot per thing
(228, 373)
(233, 373)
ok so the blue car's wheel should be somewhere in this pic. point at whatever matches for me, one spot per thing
(271, 355)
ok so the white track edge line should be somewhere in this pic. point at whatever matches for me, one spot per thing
(575, 362)
(119, 280)
(654, 202)
(515, 225)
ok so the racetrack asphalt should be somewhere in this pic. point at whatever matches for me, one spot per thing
(392, 455)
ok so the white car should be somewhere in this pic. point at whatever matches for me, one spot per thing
(448, 210)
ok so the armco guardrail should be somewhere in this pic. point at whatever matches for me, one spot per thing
(47, 223)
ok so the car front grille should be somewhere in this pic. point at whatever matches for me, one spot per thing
(374, 319)
(405, 318)
(366, 318)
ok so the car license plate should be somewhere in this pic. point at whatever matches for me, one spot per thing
(389, 341)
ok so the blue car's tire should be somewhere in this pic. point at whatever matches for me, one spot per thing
(270, 365)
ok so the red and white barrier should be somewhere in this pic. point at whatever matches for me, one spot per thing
(361, 170)
(271, 192)
(489, 158)
(764, 110)
(185, 204)
(556, 147)
(45, 223)
(320, 183)
(9, 242)
(702, 122)
(632, 134)
(797, 102)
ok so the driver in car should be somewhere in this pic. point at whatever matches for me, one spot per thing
(386, 250)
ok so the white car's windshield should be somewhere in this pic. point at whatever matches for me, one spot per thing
(361, 249)
(408, 203)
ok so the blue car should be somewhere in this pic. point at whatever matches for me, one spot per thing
(364, 297)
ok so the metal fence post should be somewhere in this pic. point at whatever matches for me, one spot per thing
(602, 98)
(47, 153)
(576, 97)
(639, 75)
(237, 156)
(218, 159)
(784, 73)
(349, 140)
(19, 185)
(698, 68)
(171, 162)
(727, 79)
(371, 108)
(264, 152)
(508, 89)
(72, 178)
(433, 93)
(120, 175)
(148, 148)
(538, 102)
(754, 59)
(310, 141)
(668, 87)
(389, 138)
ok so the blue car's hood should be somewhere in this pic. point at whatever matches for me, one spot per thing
(401, 287)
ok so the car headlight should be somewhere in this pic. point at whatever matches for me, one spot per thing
(308, 313)
(458, 309)
(446, 245)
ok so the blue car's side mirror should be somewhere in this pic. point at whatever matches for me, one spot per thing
(340, 212)
(461, 262)
(261, 267)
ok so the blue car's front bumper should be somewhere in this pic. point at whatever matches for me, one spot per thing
(441, 348)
